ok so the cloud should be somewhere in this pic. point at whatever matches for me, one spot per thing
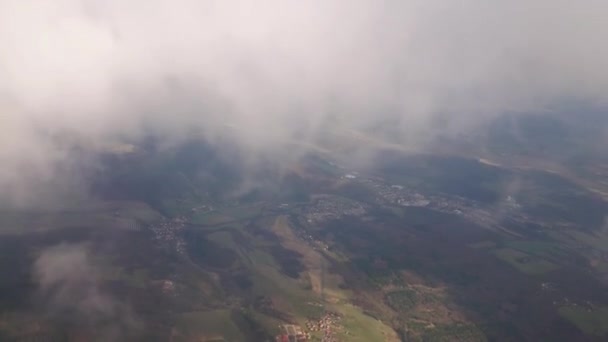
(69, 281)
(278, 70)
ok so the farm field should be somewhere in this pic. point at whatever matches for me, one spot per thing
(410, 249)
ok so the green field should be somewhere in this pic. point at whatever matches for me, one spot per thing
(292, 297)
(214, 325)
(359, 327)
(401, 300)
(598, 239)
(453, 332)
(289, 295)
(525, 263)
(591, 322)
(539, 248)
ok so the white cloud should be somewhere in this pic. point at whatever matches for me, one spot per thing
(98, 69)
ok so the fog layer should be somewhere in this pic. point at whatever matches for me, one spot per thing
(90, 72)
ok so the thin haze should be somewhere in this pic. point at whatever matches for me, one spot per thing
(92, 71)
(69, 281)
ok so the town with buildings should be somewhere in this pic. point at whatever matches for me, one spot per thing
(328, 325)
(292, 333)
(399, 195)
(330, 207)
(168, 233)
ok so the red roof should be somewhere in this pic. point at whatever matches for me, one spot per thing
(282, 338)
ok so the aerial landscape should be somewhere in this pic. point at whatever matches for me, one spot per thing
(280, 171)
(413, 247)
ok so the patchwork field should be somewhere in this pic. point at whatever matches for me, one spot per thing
(413, 248)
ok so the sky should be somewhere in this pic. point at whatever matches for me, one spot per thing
(82, 73)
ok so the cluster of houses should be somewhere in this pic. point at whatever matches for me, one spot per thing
(167, 232)
(329, 207)
(329, 324)
(292, 333)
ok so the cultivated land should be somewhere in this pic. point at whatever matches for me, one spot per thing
(416, 247)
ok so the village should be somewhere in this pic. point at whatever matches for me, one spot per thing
(167, 233)
(330, 207)
(399, 195)
(328, 325)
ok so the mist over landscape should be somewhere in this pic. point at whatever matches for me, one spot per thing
(92, 73)
(316, 170)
